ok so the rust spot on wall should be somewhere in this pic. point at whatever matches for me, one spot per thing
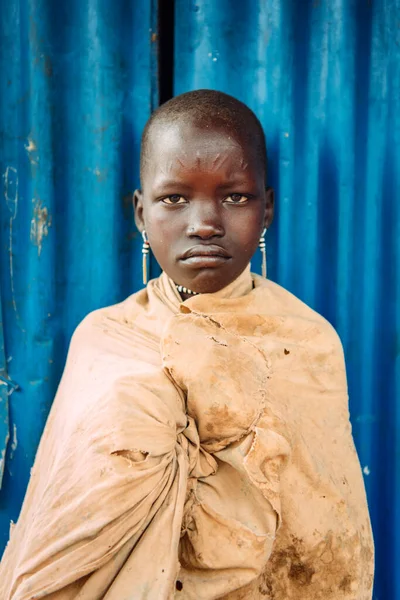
(39, 224)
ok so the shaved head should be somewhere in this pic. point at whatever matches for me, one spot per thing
(208, 110)
(204, 202)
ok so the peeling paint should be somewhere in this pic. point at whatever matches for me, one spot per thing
(39, 224)
(3, 459)
(11, 190)
(14, 443)
(9, 383)
(11, 195)
(101, 174)
(32, 151)
(366, 470)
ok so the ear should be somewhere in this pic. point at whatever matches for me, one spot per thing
(269, 207)
(138, 208)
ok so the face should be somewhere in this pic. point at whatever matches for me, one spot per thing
(203, 205)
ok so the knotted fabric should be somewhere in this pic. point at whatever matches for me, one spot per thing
(198, 450)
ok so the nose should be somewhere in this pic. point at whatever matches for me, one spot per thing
(205, 222)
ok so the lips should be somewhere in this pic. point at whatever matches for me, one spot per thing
(205, 251)
(205, 257)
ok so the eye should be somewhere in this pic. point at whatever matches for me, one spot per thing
(174, 199)
(237, 199)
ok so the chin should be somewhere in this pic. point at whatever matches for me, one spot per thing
(208, 289)
(209, 281)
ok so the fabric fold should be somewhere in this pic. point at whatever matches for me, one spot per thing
(198, 449)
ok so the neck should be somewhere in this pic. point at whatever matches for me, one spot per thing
(185, 292)
(240, 287)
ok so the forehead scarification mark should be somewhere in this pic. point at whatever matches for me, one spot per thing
(174, 160)
(219, 161)
(211, 152)
(208, 110)
(215, 161)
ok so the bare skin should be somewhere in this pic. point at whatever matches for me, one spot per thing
(204, 204)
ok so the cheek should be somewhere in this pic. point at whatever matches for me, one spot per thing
(157, 225)
(164, 229)
(247, 231)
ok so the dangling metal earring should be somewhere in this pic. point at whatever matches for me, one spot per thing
(263, 253)
(145, 255)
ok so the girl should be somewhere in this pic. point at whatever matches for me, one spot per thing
(199, 446)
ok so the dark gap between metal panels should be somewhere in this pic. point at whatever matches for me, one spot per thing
(166, 18)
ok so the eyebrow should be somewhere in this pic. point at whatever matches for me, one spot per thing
(172, 184)
(236, 182)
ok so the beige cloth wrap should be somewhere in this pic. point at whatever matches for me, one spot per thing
(197, 450)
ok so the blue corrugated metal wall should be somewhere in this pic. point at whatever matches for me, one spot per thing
(78, 82)
(324, 77)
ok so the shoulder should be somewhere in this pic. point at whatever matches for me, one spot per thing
(284, 303)
(103, 324)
